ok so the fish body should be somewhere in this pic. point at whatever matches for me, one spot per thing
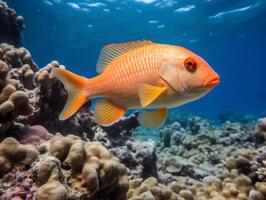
(138, 75)
(120, 80)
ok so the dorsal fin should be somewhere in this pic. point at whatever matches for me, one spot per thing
(111, 52)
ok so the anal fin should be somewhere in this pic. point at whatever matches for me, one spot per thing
(153, 119)
(106, 113)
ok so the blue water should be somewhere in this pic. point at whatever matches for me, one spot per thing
(230, 35)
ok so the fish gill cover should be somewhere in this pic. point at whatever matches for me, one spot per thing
(189, 158)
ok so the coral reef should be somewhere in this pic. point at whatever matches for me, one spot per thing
(190, 159)
(14, 100)
(149, 189)
(11, 25)
(229, 185)
(140, 158)
(64, 167)
(182, 162)
(93, 168)
(203, 149)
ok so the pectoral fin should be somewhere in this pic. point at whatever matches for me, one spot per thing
(149, 93)
(106, 113)
(153, 119)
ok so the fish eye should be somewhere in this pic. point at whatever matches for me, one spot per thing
(190, 65)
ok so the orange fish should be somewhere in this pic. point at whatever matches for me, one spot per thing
(135, 75)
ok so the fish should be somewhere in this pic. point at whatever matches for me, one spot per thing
(139, 75)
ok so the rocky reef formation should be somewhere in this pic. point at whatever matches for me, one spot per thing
(200, 148)
(211, 162)
(11, 25)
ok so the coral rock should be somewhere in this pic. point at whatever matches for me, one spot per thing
(150, 189)
(12, 152)
(34, 135)
(10, 25)
(93, 169)
(50, 189)
(260, 130)
(172, 165)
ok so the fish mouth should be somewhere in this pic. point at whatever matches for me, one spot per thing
(209, 83)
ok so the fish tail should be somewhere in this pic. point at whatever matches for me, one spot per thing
(76, 87)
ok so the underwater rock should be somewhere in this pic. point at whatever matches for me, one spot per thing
(139, 157)
(11, 25)
(121, 131)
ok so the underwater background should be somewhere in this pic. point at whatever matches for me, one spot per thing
(210, 149)
(229, 35)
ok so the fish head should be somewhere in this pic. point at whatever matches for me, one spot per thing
(188, 73)
(196, 75)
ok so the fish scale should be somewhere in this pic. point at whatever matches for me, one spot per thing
(139, 70)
